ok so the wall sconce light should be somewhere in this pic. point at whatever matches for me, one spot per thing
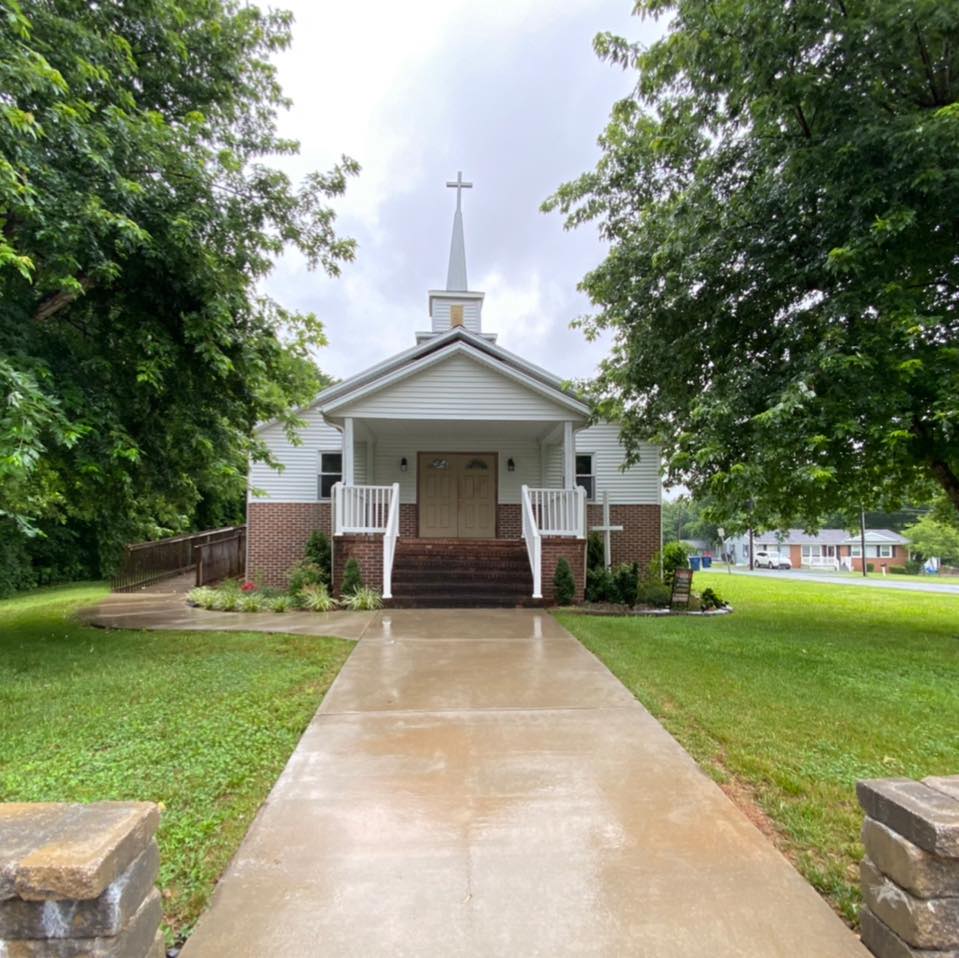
(510, 465)
(403, 464)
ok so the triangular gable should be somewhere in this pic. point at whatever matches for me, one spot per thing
(458, 381)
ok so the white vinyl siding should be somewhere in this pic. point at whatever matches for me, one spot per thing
(441, 314)
(298, 482)
(456, 388)
(390, 450)
(640, 484)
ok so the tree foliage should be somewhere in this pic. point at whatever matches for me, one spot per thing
(929, 538)
(138, 213)
(781, 199)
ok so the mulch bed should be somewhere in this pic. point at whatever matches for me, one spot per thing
(614, 609)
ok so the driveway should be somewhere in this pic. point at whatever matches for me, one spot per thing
(871, 581)
(477, 783)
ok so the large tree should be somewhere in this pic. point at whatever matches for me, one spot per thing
(138, 213)
(781, 198)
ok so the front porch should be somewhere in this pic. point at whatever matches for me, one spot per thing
(464, 513)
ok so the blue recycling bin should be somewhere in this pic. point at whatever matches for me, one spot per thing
(707, 562)
(694, 563)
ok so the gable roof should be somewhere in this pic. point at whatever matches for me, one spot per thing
(830, 537)
(410, 361)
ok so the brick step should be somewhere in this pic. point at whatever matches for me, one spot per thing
(450, 550)
(419, 576)
(442, 600)
(439, 564)
(504, 586)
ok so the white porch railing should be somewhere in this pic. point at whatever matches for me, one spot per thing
(370, 510)
(389, 540)
(358, 509)
(534, 542)
(550, 512)
(821, 562)
(560, 512)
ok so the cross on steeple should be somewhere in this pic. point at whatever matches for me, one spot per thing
(459, 184)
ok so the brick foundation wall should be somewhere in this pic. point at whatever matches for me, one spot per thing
(509, 520)
(408, 520)
(277, 533)
(574, 551)
(368, 552)
(639, 540)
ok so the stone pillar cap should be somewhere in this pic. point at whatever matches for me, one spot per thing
(927, 812)
(70, 851)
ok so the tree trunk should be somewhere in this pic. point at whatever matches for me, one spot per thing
(947, 479)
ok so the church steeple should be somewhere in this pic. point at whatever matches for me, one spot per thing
(456, 305)
(456, 274)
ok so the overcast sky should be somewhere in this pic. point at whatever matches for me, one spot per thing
(511, 93)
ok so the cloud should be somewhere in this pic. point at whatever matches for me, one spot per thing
(510, 93)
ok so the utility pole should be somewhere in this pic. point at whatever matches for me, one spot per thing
(862, 536)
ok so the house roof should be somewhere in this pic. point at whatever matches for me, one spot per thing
(457, 339)
(829, 537)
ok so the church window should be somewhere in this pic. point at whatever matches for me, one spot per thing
(584, 474)
(331, 472)
(456, 315)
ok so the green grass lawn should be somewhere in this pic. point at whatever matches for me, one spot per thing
(806, 688)
(200, 722)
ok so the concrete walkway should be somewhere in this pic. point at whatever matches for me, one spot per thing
(169, 611)
(477, 783)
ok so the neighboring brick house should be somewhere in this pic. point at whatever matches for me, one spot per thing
(456, 441)
(835, 548)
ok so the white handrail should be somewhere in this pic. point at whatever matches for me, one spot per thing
(821, 562)
(389, 540)
(359, 509)
(560, 512)
(534, 542)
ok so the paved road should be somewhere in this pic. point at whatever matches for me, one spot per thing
(476, 783)
(874, 581)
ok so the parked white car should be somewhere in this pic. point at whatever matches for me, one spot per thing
(770, 560)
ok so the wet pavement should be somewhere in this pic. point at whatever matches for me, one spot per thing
(169, 611)
(477, 783)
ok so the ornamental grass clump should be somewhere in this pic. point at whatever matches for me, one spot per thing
(203, 597)
(363, 600)
(316, 598)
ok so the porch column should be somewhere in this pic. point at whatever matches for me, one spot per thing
(569, 456)
(348, 451)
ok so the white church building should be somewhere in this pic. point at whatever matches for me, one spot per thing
(456, 472)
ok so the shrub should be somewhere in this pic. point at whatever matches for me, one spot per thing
(202, 596)
(674, 556)
(626, 579)
(595, 551)
(601, 586)
(304, 573)
(656, 594)
(251, 603)
(897, 570)
(564, 585)
(870, 566)
(226, 600)
(230, 587)
(363, 600)
(320, 553)
(709, 600)
(280, 603)
(913, 567)
(317, 598)
(352, 580)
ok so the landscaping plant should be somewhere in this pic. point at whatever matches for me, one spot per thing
(363, 600)
(595, 551)
(656, 594)
(306, 572)
(352, 579)
(674, 555)
(626, 578)
(601, 586)
(708, 599)
(564, 585)
(320, 552)
(316, 598)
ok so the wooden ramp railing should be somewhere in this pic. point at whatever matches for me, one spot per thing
(144, 563)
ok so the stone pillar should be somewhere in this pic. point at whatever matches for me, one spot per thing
(910, 875)
(76, 881)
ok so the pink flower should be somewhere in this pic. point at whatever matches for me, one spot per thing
(248, 587)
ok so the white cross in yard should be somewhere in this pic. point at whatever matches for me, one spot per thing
(606, 528)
